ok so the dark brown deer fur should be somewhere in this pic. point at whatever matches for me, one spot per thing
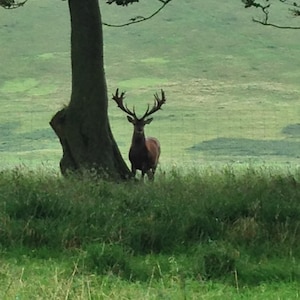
(144, 152)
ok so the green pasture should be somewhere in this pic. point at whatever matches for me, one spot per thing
(232, 86)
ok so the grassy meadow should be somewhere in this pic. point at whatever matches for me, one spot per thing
(221, 219)
(232, 86)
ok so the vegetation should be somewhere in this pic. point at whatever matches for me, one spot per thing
(217, 229)
(220, 221)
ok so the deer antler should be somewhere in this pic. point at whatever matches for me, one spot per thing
(157, 104)
(119, 100)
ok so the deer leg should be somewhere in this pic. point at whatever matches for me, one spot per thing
(150, 174)
(133, 170)
(144, 171)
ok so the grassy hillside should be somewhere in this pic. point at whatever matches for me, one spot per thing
(232, 86)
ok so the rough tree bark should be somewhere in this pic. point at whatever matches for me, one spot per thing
(83, 126)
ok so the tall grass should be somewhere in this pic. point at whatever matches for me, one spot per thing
(213, 223)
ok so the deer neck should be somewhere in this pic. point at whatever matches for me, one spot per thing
(138, 138)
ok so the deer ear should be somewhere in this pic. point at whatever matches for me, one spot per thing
(148, 121)
(130, 119)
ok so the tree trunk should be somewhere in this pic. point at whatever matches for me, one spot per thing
(83, 127)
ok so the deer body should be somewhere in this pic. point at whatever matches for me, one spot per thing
(144, 152)
(144, 155)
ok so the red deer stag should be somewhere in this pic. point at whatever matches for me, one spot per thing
(144, 152)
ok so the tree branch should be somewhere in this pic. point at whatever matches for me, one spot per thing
(265, 9)
(138, 19)
(275, 25)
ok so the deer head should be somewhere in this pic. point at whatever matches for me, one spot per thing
(139, 123)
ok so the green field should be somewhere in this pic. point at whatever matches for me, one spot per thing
(232, 86)
(221, 219)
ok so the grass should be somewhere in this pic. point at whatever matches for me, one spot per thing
(54, 279)
(235, 85)
(202, 234)
(221, 219)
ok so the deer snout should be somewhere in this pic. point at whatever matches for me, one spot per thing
(139, 131)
